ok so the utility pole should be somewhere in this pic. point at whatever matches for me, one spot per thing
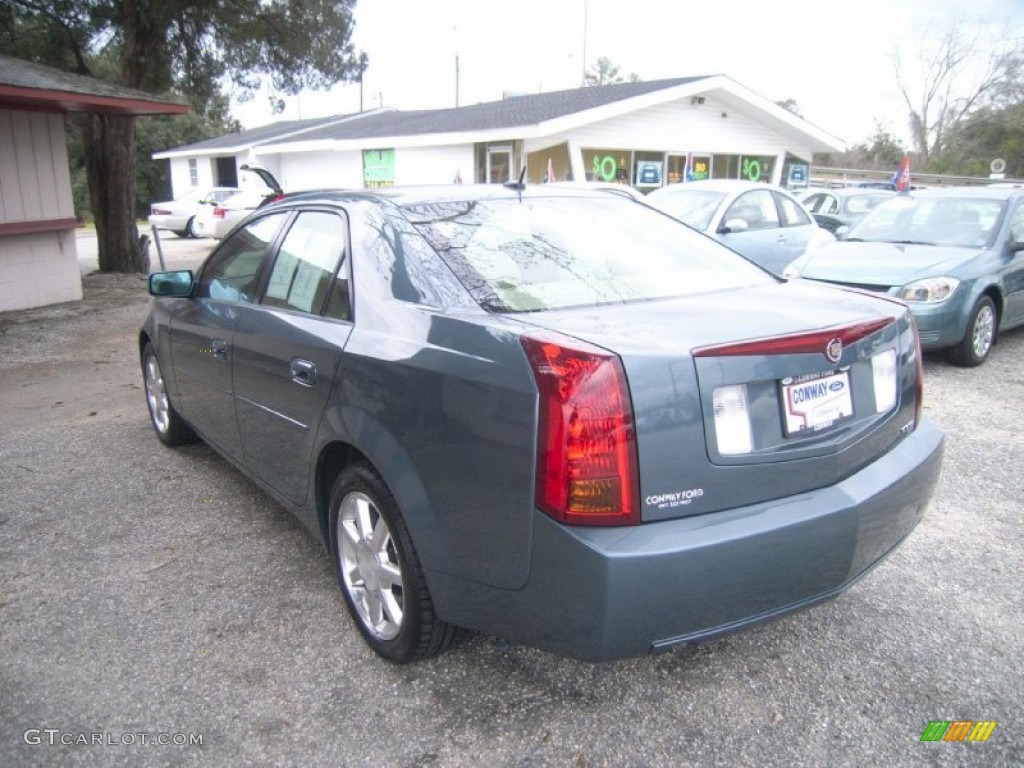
(363, 63)
(583, 74)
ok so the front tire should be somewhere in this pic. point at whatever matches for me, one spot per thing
(168, 425)
(379, 571)
(977, 342)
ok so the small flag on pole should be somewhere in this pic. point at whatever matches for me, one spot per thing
(688, 169)
(901, 179)
(549, 175)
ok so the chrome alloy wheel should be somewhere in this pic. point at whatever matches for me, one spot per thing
(370, 566)
(156, 395)
(984, 330)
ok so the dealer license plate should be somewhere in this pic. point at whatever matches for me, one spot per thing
(817, 402)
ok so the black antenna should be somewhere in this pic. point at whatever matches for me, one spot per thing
(521, 184)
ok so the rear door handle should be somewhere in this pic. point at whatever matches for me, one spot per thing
(303, 372)
(219, 349)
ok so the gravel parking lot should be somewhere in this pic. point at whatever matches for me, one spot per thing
(150, 594)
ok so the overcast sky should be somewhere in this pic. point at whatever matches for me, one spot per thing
(836, 63)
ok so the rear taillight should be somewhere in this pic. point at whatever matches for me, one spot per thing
(218, 212)
(160, 212)
(586, 443)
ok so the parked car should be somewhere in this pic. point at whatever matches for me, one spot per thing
(216, 221)
(179, 215)
(764, 223)
(552, 415)
(835, 208)
(954, 255)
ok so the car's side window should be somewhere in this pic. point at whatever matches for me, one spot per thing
(231, 274)
(304, 272)
(792, 214)
(1017, 225)
(756, 208)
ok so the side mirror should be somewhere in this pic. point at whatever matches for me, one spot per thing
(1016, 246)
(177, 284)
(842, 231)
(733, 225)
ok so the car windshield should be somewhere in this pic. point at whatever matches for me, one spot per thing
(536, 253)
(968, 221)
(691, 206)
(864, 203)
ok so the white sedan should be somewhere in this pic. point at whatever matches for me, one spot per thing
(216, 221)
(180, 215)
(764, 223)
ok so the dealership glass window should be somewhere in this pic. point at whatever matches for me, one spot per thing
(193, 172)
(675, 172)
(611, 165)
(757, 168)
(648, 169)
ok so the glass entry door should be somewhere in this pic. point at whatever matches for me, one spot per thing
(499, 165)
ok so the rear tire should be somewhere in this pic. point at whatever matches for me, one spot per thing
(379, 571)
(168, 425)
(977, 342)
(190, 228)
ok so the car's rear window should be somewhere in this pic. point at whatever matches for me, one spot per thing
(536, 253)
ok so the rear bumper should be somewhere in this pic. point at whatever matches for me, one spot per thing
(601, 594)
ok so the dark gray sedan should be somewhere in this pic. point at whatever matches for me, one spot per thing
(556, 416)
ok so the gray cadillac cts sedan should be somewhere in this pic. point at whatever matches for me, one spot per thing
(557, 416)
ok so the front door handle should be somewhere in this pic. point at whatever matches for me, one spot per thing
(303, 372)
(219, 349)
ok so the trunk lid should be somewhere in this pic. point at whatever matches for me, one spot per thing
(811, 421)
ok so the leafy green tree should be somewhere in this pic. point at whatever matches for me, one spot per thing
(173, 46)
(989, 133)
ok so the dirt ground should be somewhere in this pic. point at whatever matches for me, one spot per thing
(79, 343)
(83, 343)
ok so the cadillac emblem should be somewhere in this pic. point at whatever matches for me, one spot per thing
(834, 350)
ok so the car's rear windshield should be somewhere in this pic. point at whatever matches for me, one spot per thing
(537, 253)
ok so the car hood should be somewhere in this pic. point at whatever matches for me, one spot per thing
(881, 263)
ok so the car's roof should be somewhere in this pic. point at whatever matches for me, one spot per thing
(986, 193)
(728, 186)
(846, 191)
(416, 195)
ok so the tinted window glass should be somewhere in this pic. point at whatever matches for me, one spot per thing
(1017, 225)
(231, 272)
(544, 253)
(792, 214)
(940, 220)
(756, 208)
(307, 262)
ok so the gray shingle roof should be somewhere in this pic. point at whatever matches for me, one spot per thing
(508, 113)
(36, 83)
(512, 112)
(265, 133)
